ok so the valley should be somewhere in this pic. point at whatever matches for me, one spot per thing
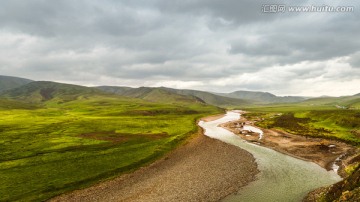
(79, 137)
(179, 101)
(57, 138)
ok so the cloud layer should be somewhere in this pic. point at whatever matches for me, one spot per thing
(202, 44)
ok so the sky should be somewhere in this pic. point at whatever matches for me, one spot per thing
(211, 45)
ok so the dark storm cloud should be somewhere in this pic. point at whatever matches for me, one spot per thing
(296, 47)
(234, 11)
(73, 18)
(190, 43)
(303, 38)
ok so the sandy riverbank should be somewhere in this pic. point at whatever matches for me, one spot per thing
(204, 169)
(320, 151)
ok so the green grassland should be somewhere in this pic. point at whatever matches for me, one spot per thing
(56, 137)
(324, 121)
(51, 142)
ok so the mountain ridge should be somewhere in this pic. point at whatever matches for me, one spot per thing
(42, 91)
(11, 82)
(263, 97)
(199, 96)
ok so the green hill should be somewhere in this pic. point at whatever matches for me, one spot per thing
(151, 94)
(163, 94)
(14, 104)
(56, 137)
(114, 89)
(263, 97)
(44, 91)
(339, 102)
(211, 98)
(9, 82)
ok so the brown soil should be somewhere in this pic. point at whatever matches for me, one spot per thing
(321, 151)
(204, 169)
(114, 137)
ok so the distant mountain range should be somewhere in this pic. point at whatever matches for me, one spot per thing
(162, 94)
(263, 97)
(339, 102)
(25, 90)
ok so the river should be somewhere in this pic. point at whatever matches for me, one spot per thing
(282, 178)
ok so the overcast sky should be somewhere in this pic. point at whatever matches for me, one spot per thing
(213, 45)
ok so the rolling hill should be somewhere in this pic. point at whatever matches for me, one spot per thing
(47, 91)
(163, 94)
(211, 98)
(340, 102)
(72, 135)
(91, 128)
(6, 104)
(42, 91)
(151, 94)
(34, 92)
(262, 97)
(9, 82)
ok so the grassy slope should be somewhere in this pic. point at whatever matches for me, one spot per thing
(9, 82)
(13, 104)
(212, 99)
(43, 91)
(314, 118)
(75, 138)
(345, 101)
(163, 94)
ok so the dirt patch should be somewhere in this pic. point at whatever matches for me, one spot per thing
(114, 137)
(46, 93)
(324, 152)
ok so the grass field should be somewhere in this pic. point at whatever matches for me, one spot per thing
(59, 137)
(324, 121)
(50, 148)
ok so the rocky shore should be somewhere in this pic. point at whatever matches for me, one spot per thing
(203, 169)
